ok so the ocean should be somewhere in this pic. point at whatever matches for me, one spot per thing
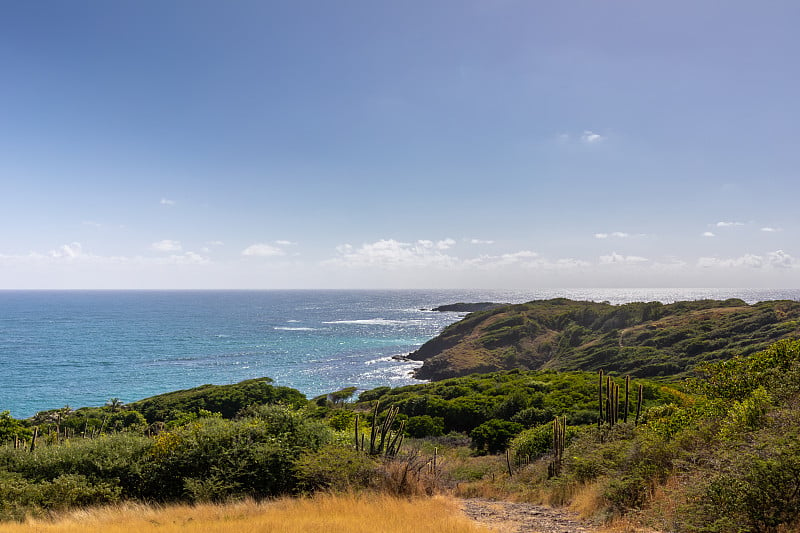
(81, 348)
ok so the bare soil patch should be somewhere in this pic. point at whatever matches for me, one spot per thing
(511, 517)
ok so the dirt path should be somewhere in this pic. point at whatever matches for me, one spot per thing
(509, 517)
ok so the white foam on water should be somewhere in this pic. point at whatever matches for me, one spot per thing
(379, 360)
(376, 322)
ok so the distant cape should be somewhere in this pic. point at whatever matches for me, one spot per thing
(644, 339)
(462, 307)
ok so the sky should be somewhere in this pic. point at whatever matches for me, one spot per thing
(195, 144)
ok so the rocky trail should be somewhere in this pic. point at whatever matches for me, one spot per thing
(511, 517)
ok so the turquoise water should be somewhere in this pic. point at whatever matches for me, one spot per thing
(81, 348)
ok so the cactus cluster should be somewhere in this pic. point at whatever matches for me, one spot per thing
(382, 441)
(559, 442)
(609, 401)
(639, 400)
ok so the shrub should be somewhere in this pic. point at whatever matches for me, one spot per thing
(113, 458)
(759, 488)
(335, 467)
(747, 414)
(538, 441)
(534, 416)
(214, 458)
(20, 497)
(341, 419)
(626, 493)
(11, 428)
(425, 426)
(225, 399)
(493, 436)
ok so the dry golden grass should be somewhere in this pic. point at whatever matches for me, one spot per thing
(321, 514)
(588, 500)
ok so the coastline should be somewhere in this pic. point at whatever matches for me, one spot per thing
(84, 347)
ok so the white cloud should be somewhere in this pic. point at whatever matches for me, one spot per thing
(215, 243)
(524, 257)
(167, 245)
(389, 253)
(617, 259)
(729, 224)
(480, 241)
(188, 258)
(439, 245)
(262, 250)
(589, 137)
(165, 201)
(770, 230)
(571, 263)
(781, 259)
(74, 252)
(562, 137)
(708, 234)
(67, 251)
(615, 234)
(747, 260)
(285, 243)
(344, 249)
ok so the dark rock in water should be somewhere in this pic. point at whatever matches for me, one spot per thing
(462, 307)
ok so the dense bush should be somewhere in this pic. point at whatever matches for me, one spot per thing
(225, 399)
(335, 467)
(11, 428)
(535, 442)
(526, 397)
(494, 436)
(114, 458)
(21, 497)
(425, 426)
(215, 458)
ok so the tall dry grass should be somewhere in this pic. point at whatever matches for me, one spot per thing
(320, 514)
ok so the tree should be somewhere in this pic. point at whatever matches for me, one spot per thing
(11, 428)
(114, 404)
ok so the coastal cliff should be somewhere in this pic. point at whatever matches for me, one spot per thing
(642, 339)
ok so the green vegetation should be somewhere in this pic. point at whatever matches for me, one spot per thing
(641, 339)
(259, 440)
(717, 452)
(726, 460)
(526, 398)
(224, 399)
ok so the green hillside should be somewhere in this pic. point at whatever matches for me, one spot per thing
(641, 339)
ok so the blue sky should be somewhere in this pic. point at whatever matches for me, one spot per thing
(372, 144)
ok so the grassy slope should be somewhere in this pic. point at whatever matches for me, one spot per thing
(321, 514)
(641, 339)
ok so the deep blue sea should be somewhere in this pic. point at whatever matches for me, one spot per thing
(80, 348)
